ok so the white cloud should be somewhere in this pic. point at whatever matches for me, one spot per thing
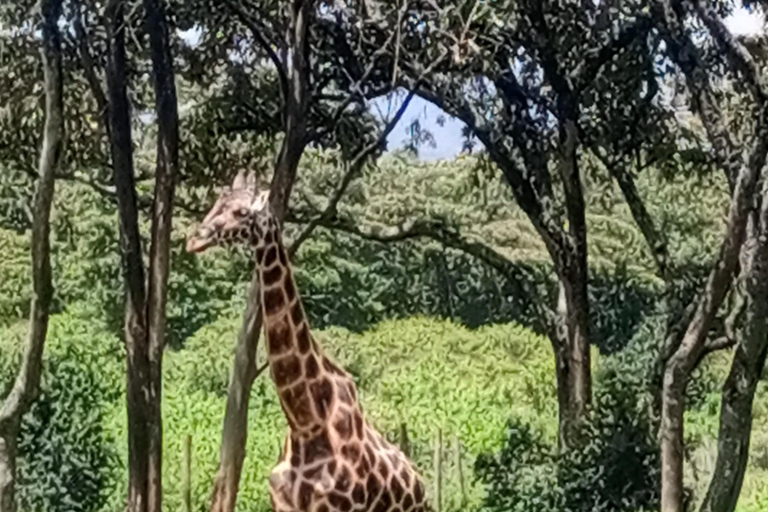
(744, 22)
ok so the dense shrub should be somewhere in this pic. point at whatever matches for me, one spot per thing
(67, 460)
(615, 466)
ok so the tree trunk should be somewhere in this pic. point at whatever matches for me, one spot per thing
(235, 429)
(137, 375)
(159, 256)
(692, 346)
(27, 383)
(8, 436)
(746, 369)
(571, 264)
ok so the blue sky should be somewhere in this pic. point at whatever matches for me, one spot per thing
(448, 137)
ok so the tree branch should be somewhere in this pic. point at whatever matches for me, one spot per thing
(89, 67)
(656, 241)
(355, 92)
(27, 384)
(256, 30)
(27, 380)
(739, 56)
(352, 171)
(640, 28)
(449, 237)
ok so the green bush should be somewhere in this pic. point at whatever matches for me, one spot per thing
(67, 460)
(613, 468)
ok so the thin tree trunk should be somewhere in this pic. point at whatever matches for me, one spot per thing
(235, 429)
(27, 382)
(573, 304)
(159, 256)
(186, 476)
(692, 346)
(137, 375)
(746, 369)
(730, 157)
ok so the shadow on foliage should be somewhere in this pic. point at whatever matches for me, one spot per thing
(616, 466)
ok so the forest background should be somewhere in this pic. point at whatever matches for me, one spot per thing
(529, 313)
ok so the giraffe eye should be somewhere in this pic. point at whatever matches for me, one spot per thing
(241, 212)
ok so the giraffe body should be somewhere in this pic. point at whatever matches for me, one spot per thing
(333, 459)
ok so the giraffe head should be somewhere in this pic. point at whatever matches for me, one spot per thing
(242, 214)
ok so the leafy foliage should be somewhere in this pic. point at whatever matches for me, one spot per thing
(68, 458)
(615, 469)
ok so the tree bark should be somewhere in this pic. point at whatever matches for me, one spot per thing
(746, 369)
(574, 280)
(166, 106)
(234, 434)
(746, 170)
(235, 429)
(688, 353)
(27, 383)
(137, 376)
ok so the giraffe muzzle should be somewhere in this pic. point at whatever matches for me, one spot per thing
(200, 239)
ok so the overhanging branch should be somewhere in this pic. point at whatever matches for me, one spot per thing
(257, 32)
(352, 171)
(449, 237)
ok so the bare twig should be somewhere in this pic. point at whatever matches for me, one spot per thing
(640, 28)
(89, 67)
(355, 92)
(257, 31)
(353, 170)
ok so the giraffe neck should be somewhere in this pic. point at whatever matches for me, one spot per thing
(308, 383)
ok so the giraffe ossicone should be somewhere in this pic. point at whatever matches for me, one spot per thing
(333, 459)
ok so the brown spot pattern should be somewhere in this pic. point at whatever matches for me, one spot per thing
(302, 338)
(322, 394)
(290, 288)
(343, 425)
(406, 477)
(271, 276)
(340, 502)
(418, 492)
(279, 337)
(358, 493)
(305, 495)
(317, 448)
(270, 257)
(330, 367)
(383, 469)
(397, 489)
(359, 425)
(297, 316)
(310, 368)
(385, 501)
(351, 452)
(297, 401)
(286, 370)
(344, 480)
(373, 486)
(274, 300)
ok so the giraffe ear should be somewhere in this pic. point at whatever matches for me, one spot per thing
(261, 201)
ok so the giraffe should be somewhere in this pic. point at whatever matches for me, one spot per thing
(332, 458)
